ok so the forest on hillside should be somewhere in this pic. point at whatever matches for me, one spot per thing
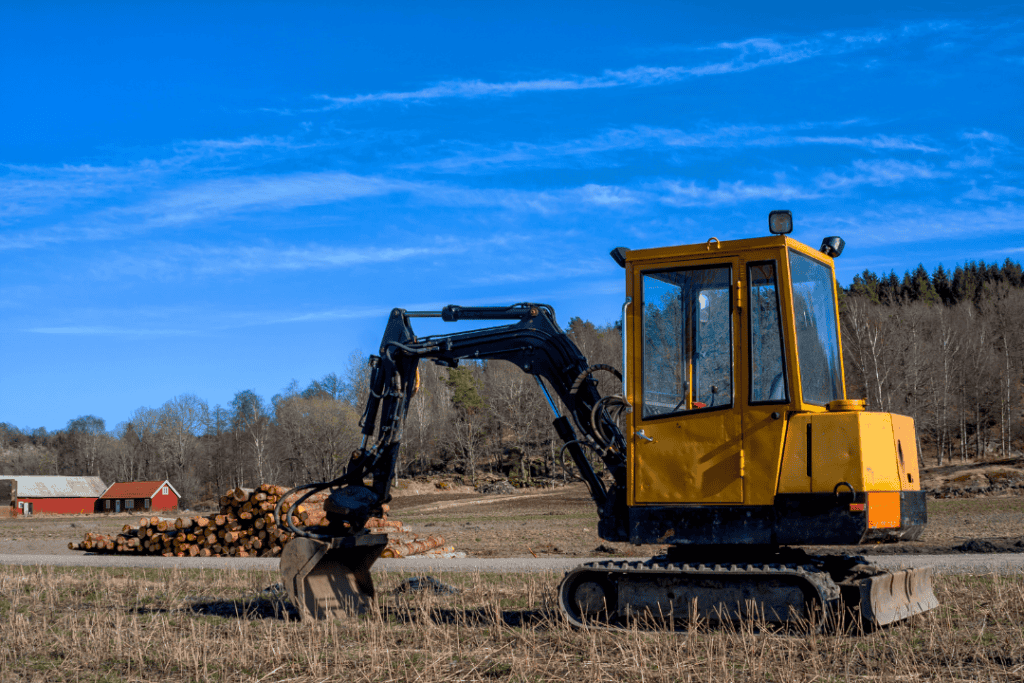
(944, 348)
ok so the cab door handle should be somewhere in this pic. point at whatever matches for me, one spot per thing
(640, 434)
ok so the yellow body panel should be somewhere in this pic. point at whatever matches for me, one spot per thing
(692, 459)
(856, 448)
(763, 437)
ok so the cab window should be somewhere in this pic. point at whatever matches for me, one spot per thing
(687, 347)
(767, 356)
(817, 335)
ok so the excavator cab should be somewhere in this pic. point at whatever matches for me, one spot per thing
(740, 431)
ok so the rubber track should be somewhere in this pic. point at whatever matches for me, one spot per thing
(812, 576)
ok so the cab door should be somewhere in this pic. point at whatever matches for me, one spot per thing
(686, 426)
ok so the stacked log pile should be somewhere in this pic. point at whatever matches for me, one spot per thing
(244, 527)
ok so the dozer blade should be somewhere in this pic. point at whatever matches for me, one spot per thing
(329, 579)
(892, 596)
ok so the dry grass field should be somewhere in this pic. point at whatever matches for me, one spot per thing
(214, 625)
(192, 625)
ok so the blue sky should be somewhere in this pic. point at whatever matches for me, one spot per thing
(209, 199)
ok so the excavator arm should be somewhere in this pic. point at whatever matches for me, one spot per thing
(534, 343)
(537, 345)
(327, 571)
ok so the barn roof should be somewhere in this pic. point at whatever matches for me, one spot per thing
(136, 489)
(57, 487)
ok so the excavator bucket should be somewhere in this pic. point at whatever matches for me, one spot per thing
(331, 579)
(896, 595)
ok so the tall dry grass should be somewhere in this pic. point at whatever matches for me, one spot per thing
(170, 625)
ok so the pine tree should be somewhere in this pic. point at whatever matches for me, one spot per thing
(942, 285)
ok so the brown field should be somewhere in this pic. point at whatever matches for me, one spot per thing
(174, 625)
(544, 522)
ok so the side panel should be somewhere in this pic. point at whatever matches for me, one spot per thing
(906, 451)
(825, 450)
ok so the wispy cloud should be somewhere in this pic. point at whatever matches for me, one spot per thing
(740, 56)
(36, 190)
(265, 259)
(692, 194)
(871, 142)
(611, 142)
(215, 201)
(545, 270)
(994, 193)
(175, 260)
(186, 205)
(915, 222)
(226, 320)
(879, 173)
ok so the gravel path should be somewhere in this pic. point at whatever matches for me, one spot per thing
(1004, 563)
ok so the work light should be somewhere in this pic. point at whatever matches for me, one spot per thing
(780, 222)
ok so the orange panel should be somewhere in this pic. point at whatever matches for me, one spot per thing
(883, 510)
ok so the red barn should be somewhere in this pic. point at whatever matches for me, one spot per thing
(56, 495)
(138, 496)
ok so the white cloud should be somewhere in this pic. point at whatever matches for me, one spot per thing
(691, 194)
(172, 261)
(264, 259)
(908, 223)
(608, 195)
(582, 151)
(873, 142)
(186, 205)
(746, 55)
(36, 190)
(993, 193)
(471, 89)
(880, 173)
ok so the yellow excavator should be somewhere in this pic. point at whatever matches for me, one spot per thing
(732, 443)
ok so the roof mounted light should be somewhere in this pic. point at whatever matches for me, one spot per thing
(780, 222)
(619, 254)
(832, 246)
